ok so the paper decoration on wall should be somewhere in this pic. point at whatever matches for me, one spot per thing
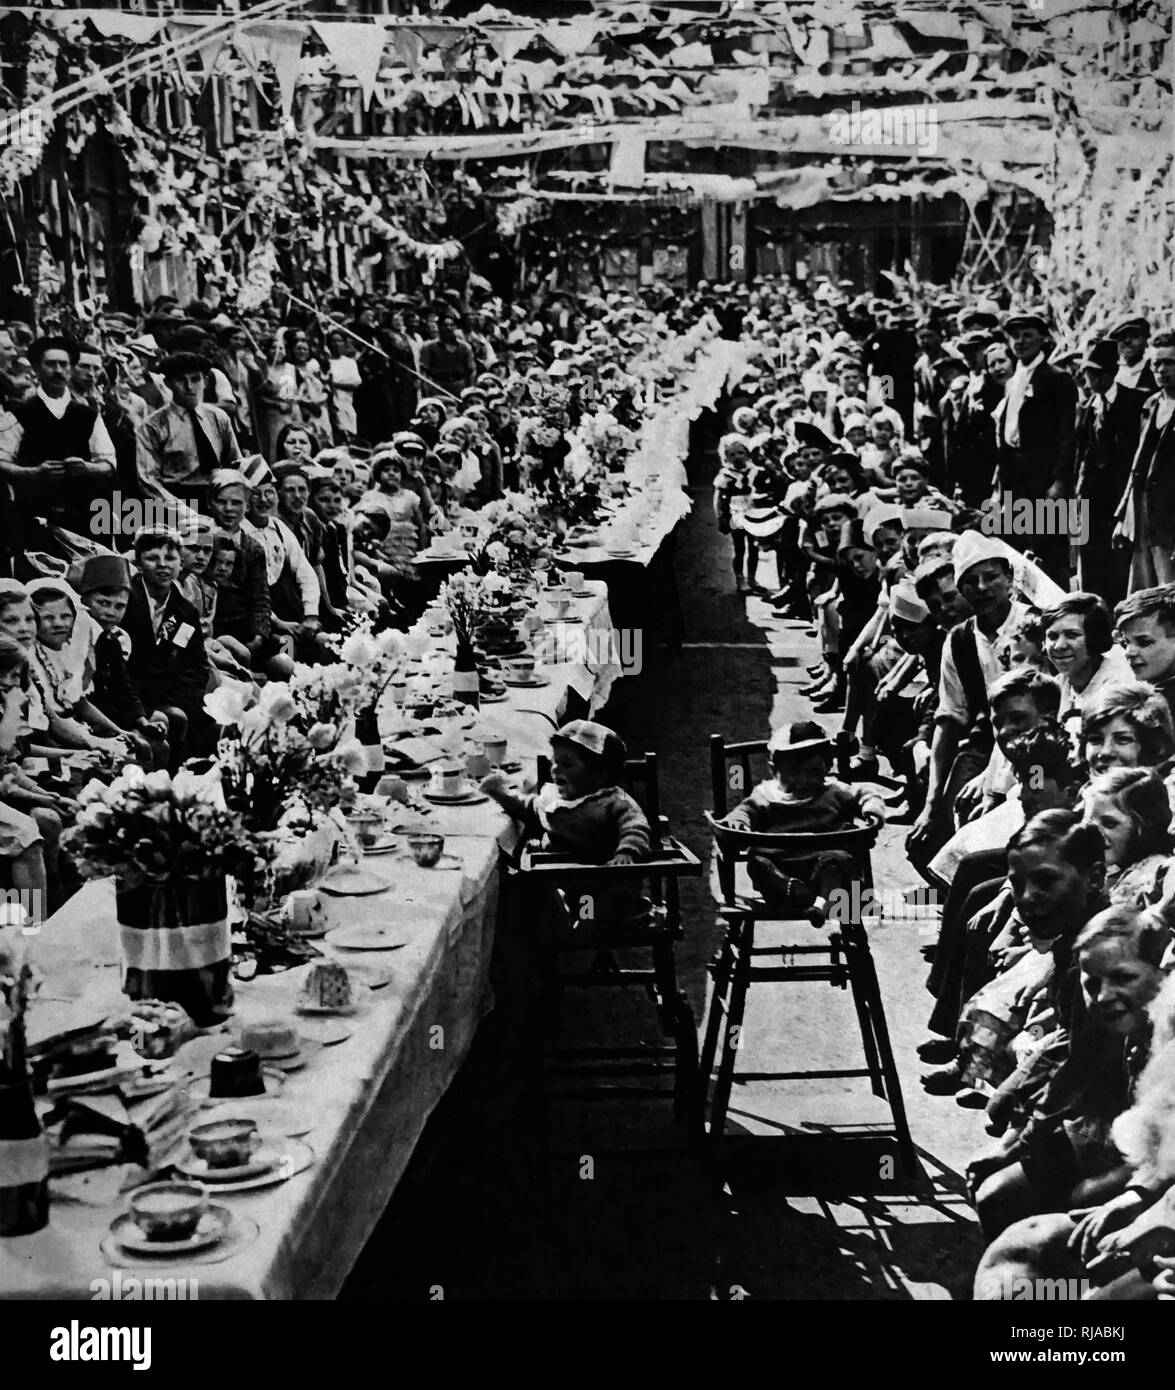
(627, 169)
(408, 45)
(507, 40)
(571, 37)
(356, 51)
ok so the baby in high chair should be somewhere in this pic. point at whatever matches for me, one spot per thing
(801, 798)
(584, 814)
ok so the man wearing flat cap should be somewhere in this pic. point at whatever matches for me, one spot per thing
(1132, 335)
(181, 445)
(1035, 438)
(1109, 419)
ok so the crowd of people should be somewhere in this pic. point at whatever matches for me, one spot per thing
(980, 531)
(1014, 685)
(189, 496)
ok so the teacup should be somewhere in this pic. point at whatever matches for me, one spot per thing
(303, 908)
(556, 608)
(169, 1210)
(574, 579)
(495, 750)
(519, 667)
(426, 848)
(448, 779)
(477, 765)
(399, 691)
(225, 1143)
(366, 825)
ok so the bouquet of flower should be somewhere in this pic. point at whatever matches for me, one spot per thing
(15, 988)
(273, 761)
(368, 663)
(512, 535)
(464, 595)
(152, 827)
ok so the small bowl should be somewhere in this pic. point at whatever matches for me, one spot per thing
(169, 1210)
(225, 1143)
(426, 848)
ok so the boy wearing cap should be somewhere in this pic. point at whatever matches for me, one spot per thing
(181, 445)
(800, 798)
(103, 583)
(168, 663)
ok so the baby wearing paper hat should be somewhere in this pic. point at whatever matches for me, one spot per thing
(584, 815)
(801, 798)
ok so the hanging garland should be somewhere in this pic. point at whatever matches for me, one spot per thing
(22, 157)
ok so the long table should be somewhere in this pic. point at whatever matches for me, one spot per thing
(366, 1100)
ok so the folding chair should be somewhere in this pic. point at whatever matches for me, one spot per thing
(601, 1072)
(842, 957)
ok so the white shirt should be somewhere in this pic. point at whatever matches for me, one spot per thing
(279, 542)
(1016, 392)
(101, 445)
(952, 698)
(1128, 376)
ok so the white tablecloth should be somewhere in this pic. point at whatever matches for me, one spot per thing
(368, 1097)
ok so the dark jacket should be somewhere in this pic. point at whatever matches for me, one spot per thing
(243, 608)
(1105, 450)
(1047, 436)
(171, 667)
(114, 692)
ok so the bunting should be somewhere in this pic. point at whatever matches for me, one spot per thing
(356, 51)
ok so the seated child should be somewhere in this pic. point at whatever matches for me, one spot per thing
(583, 813)
(802, 799)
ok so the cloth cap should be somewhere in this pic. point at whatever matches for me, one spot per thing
(1102, 354)
(836, 499)
(595, 738)
(408, 439)
(886, 514)
(183, 364)
(973, 549)
(1127, 326)
(229, 477)
(799, 736)
(1026, 319)
(101, 572)
(905, 604)
(925, 519)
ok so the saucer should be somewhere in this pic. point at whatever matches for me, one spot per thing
(493, 699)
(296, 1061)
(267, 1157)
(356, 882)
(384, 845)
(213, 1226)
(619, 554)
(367, 938)
(583, 593)
(316, 932)
(292, 1156)
(359, 993)
(470, 797)
(370, 976)
(531, 683)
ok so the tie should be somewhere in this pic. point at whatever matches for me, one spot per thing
(207, 456)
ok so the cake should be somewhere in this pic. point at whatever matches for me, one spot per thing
(327, 986)
(158, 1028)
(270, 1040)
(235, 1072)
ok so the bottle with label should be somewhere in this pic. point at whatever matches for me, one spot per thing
(24, 1149)
(466, 677)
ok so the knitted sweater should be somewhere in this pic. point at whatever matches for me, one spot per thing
(768, 810)
(591, 828)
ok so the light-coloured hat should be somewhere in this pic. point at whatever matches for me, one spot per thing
(905, 604)
(884, 514)
(973, 548)
(594, 738)
(925, 519)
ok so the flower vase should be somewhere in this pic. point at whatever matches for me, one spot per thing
(367, 732)
(466, 677)
(176, 944)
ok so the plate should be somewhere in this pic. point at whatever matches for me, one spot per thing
(446, 861)
(293, 1157)
(620, 554)
(471, 797)
(532, 684)
(371, 976)
(381, 846)
(368, 938)
(329, 1032)
(493, 699)
(267, 1156)
(583, 593)
(359, 993)
(354, 883)
(316, 932)
(296, 1062)
(212, 1229)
